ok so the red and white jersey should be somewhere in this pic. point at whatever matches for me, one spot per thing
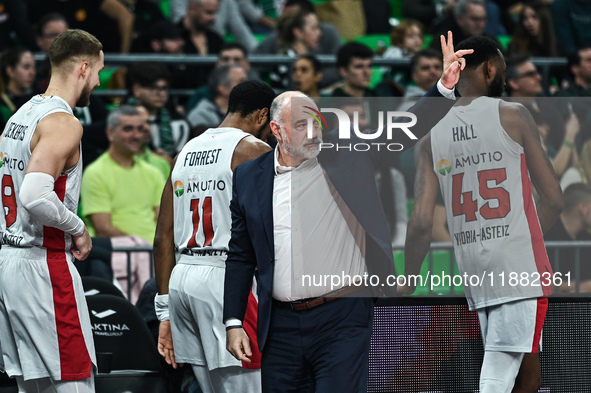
(17, 227)
(202, 184)
(490, 209)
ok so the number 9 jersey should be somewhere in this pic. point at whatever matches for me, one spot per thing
(490, 208)
(202, 185)
(17, 227)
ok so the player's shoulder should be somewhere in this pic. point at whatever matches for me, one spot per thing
(61, 122)
(251, 165)
(509, 108)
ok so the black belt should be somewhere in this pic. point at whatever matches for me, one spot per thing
(307, 304)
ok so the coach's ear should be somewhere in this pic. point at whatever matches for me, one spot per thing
(275, 130)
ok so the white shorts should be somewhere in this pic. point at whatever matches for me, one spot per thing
(515, 326)
(44, 324)
(196, 295)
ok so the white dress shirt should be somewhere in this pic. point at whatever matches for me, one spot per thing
(315, 234)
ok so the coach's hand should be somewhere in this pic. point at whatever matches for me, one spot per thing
(82, 245)
(453, 62)
(238, 344)
(165, 347)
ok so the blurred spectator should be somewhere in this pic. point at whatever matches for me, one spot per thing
(17, 70)
(346, 15)
(228, 19)
(306, 75)
(574, 223)
(328, 43)
(572, 23)
(426, 67)
(523, 84)
(199, 37)
(146, 14)
(579, 65)
(15, 28)
(120, 196)
(165, 37)
(299, 34)
(109, 20)
(149, 85)
(377, 16)
(46, 30)
(564, 156)
(210, 112)
(428, 12)
(255, 15)
(534, 35)
(231, 53)
(469, 19)
(406, 39)
(160, 161)
(354, 65)
(580, 173)
(522, 77)
(120, 193)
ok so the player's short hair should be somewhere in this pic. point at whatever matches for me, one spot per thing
(146, 74)
(575, 194)
(485, 49)
(74, 45)
(428, 53)
(250, 96)
(122, 110)
(353, 49)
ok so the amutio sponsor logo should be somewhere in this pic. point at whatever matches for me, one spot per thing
(373, 139)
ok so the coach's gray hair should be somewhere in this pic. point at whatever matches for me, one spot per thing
(462, 5)
(122, 110)
(279, 103)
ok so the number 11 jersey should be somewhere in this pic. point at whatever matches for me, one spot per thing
(202, 185)
(490, 208)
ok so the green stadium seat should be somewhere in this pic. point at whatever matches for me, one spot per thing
(165, 8)
(505, 40)
(105, 76)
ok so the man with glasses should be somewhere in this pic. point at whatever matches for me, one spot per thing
(149, 88)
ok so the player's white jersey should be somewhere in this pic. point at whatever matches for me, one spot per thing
(202, 184)
(18, 228)
(490, 209)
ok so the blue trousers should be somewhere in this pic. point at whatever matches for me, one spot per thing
(322, 350)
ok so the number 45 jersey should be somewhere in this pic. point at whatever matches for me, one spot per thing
(490, 208)
(17, 227)
(202, 185)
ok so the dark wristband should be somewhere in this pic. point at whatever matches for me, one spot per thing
(233, 327)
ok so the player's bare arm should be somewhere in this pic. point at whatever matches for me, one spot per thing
(55, 147)
(521, 127)
(164, 262)
(418, 236)
(248, 149)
